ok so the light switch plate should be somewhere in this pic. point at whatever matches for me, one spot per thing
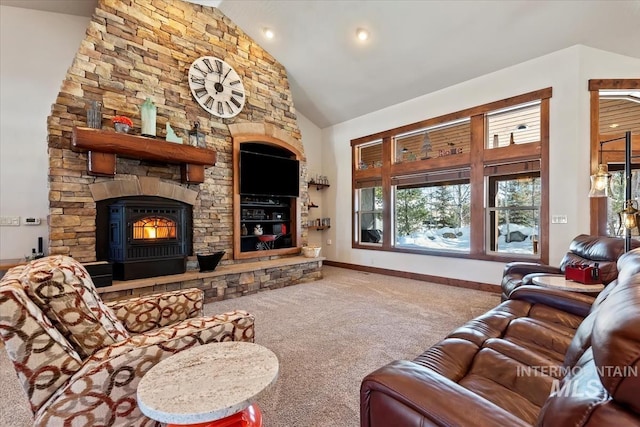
(558, 219)
(10, 221)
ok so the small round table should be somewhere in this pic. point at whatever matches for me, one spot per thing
(214, 383)
(559, 282)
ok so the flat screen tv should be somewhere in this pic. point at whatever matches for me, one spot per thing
(268, 175)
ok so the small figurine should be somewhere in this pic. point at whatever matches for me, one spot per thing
(257, 230)
(243, 230)
(171, 135)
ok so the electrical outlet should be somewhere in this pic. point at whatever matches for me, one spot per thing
(10, 221)
(329, 242)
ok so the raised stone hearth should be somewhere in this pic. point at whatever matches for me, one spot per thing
(228, 281)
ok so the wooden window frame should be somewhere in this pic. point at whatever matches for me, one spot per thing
(478, 157)
(598, 205)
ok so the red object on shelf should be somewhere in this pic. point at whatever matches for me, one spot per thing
(586, 274)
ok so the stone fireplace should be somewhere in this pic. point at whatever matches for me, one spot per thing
(135, 49)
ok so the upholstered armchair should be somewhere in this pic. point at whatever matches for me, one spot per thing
(584, 249)
(79, 359)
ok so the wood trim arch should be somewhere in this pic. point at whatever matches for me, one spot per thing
(296, 214)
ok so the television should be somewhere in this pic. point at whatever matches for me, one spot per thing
(268, 175)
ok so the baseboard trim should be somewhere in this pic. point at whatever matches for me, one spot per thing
(487, 287)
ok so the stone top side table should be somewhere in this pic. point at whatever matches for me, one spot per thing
(559, 282)
(207, 383)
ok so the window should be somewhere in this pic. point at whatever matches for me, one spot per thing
(442, 186)
(615, 108)
(435, 216)
(369, 216)
(515, 125)
(616, 202)
(514, 214)
(442, 140)
(369, 155)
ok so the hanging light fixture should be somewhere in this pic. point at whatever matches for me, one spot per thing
(629, 216)
(601, 182)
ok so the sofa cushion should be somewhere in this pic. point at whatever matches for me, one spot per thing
(43, 359)
(615, 342)
(63, 290)
(589, 250)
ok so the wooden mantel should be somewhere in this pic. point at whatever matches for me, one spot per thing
(104, 145)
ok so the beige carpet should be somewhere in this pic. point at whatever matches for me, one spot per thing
(328, 335)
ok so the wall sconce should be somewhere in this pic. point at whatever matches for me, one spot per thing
(196, 138)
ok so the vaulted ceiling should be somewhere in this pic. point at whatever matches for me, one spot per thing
(415, 47)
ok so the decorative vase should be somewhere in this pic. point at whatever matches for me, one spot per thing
(311, 251)
(148, 118)
(94, 115)
(209, 262)
(121, 127)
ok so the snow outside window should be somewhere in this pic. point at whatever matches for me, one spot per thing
(514, 214)
(434, 216)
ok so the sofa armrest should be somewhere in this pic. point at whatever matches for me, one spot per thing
(145, 313)
(405, 393)
(521, 268)
(570, 302)
(104, 389)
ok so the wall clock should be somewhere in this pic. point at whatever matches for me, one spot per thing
(216, 86)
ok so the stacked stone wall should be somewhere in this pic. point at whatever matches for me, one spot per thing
(136, 49)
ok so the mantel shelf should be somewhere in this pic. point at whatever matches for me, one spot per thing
(104, 145)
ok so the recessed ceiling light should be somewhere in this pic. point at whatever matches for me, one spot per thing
(268, 33)
(362, 34)
(615, 125)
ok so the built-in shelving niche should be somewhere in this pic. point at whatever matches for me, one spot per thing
(278, 215)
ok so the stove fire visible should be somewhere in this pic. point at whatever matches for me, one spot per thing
(154, 228)
(148, 237)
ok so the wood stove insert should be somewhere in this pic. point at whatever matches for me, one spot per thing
(148, 236)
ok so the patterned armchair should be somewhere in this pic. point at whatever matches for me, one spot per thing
(80, 359)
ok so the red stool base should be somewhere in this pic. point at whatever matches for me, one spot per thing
(248, 417)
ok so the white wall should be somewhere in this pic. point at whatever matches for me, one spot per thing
(567, 72)
(312, 142)
(36, 48)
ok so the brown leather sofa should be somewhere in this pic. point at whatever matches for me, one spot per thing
(584, 249)
(543, 357)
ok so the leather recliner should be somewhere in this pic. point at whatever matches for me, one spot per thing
(584, 249)
(543, 357)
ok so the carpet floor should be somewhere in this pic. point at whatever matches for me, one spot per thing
(327, 334)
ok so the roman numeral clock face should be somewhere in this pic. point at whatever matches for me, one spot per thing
(216, 86)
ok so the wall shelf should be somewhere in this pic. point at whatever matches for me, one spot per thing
(318, 185)
(318, 227)
(103, 147)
